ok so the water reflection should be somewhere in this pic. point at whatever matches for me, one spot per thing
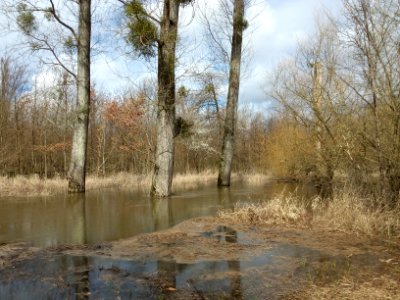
(268, 276)
(107, 215)
(68, 277)
(162, 216)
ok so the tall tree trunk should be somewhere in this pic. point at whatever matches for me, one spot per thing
(325, 168)
(316, 104)
(77, 170)
(164, 160)
(225, 165)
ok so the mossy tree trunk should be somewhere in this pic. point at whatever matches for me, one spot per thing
(77, 169)
(164, 156)
(225, 165)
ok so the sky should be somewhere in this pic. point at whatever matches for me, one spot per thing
(281, 24)
(276, 26)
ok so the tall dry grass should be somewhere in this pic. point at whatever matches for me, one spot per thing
(277, 211)
(252, 178)
(191, 181)
(122, 180)
(23, 186)
(351, 212)
(347, 212)
(31, 186)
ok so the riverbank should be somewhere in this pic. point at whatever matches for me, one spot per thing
(347, 211)
(212, 258)
(32, 186)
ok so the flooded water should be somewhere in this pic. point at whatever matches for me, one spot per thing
(278, 272)
(110, 214)
(70, 277)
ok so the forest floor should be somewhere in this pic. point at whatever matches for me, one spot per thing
(212, 258)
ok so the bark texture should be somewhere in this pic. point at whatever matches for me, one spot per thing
(77, 169)
(164, 159)
(225, 165)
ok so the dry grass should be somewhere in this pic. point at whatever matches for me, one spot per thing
(190, 181)
(120, 180)
(350, 212)
(277, 211)
(383, 287)
(31, 186)
(23, 186)
(346, 212)
(252, 179)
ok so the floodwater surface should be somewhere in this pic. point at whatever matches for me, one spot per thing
(281, 271)
(76, 277)
(111, 214)
(207, 261)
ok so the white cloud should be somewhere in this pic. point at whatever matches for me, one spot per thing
(46, 78)
(278, 25)
(116, 73)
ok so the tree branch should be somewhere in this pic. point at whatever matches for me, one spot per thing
(53, 52)
(58, 19)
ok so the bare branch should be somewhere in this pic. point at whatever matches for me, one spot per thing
(58, 19)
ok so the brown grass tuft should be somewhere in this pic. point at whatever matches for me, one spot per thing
(279, 210)
(252, 179)
(190, 181)
(347, 212)
(120, 180)
(20, 186)
(350, 212)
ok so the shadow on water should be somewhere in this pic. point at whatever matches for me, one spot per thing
(110, 214)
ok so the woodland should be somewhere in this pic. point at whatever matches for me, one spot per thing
(175, 186)
(334, 113)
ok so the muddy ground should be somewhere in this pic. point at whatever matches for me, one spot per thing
(207, 258)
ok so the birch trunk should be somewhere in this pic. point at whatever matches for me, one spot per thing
(77, 169)
(225, 165)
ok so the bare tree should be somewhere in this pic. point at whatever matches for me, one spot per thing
(225, 165)
(373, 39)
(12, 81)
(147, 33)
(76, 41)
(77, 169)
(307, 87)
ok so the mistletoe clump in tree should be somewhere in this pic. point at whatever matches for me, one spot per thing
(150, 37)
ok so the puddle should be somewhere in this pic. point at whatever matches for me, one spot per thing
(222, 233)
(280, 271)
